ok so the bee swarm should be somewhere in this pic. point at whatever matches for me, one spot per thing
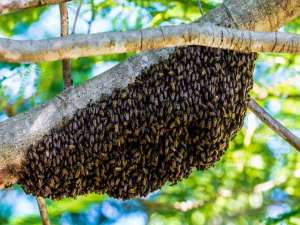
(179, 114)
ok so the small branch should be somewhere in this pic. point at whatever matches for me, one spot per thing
(283, 217)
(64, 31)
(93, 16)
(64, 20)
(76, 17)
(277, 127)
(200, 7)
(66, 69)
(147, 39)
(43, 210)
(9, 6)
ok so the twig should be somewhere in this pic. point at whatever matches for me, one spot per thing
(276, 126)
(76, 17)
(43, 210)
(92, 16)
(283, 217)
(200, 7)
(64, 31)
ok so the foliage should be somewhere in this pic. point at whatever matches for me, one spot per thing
(257, 181)
(18, 22)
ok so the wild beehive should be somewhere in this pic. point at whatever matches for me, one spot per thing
(179, 114)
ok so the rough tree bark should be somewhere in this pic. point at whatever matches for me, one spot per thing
(17, 133)
(8, 6)
(148, 39)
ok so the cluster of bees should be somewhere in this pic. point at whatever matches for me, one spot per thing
(178, 114)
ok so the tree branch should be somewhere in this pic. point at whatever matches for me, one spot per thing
(64, 27)
(147, 39)
(277, 127)
(93, 16)
(43, 210)
(19, 132)
(200, 7)
(283, 217)
(254, 15)
(9, 6)
(76, 17)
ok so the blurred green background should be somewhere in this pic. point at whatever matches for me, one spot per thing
(256, 182)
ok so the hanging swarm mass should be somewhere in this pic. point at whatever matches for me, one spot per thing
(178, 115)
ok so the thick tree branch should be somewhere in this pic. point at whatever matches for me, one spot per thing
(17, 133)
(148, 39)
(256, 15)
(8, 6)
(277, 127)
